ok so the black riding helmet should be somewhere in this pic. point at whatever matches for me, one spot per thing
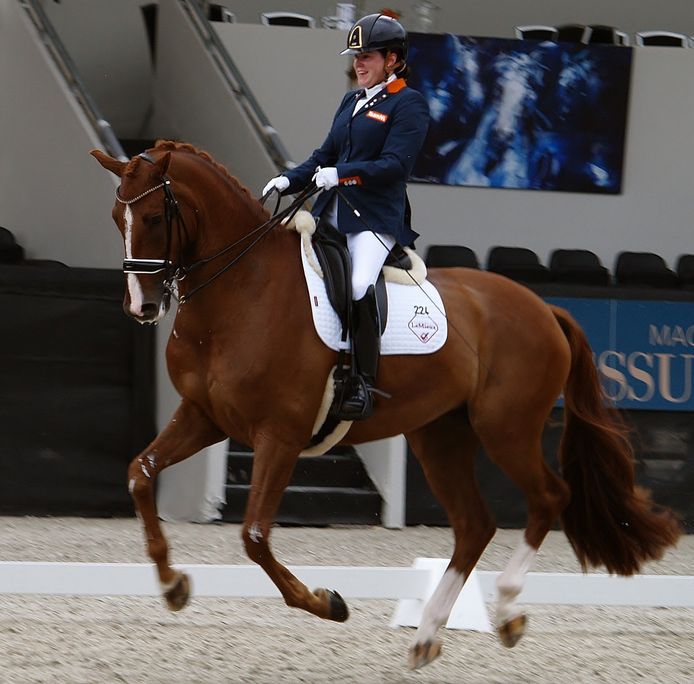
(377, 32)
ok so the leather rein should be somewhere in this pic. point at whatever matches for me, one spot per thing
(175, 271)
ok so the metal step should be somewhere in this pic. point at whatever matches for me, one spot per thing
(315, 505)
(335, 470)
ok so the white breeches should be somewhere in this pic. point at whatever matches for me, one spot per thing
(368, 251)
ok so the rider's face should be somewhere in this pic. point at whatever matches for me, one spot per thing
(370, 67)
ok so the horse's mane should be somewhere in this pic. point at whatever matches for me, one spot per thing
(170, 145)
(173, 146)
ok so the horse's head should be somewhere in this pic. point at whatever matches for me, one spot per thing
(179, 231)
(143, 213)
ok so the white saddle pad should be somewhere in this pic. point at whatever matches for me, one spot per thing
(416, 317)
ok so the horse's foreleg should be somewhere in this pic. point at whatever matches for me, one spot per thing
(446, 449)
(272, 470)
(188, 432)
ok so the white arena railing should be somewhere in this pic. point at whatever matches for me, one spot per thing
(410, 586)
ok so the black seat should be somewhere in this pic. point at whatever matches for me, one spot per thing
(517, 263)
(644, 269)
(579, 266)
(604, 35)
(10, 251)
(287, 19)
(685, 271)
(447, 256)
(662, 39)
(536, 32)
(217, 12)
(573, 33)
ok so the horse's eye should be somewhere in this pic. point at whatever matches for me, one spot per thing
(155, 219)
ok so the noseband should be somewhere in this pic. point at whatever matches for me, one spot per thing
(174, 272)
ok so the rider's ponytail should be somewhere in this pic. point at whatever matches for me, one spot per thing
(403, 70)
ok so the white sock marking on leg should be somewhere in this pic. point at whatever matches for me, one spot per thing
(510, 582)
(440, 605)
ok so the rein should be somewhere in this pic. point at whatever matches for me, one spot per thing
(263, 229)
(175, 272)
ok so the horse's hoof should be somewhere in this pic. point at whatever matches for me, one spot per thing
(337, 608)
(511, 631)
(177, 596)
(423, 653)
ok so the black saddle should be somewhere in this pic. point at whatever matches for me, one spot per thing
(330, 246)
(333, 256)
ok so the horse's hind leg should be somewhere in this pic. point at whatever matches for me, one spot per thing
(273, 463)
(188, 432)
(514, 443)
(446, 449)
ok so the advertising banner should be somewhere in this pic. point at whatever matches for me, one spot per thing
(644, 350)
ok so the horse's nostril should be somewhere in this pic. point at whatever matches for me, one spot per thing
(149, 310)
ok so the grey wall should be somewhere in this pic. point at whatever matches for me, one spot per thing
(193, 103)
(53, 196)
(498, 17)
(299, 83)
(109, 42)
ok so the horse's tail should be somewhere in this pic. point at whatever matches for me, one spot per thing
(609, 520)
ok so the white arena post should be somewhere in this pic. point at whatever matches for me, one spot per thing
(192, 490)
(385, 462)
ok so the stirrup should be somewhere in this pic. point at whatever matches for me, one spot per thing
(355, 400)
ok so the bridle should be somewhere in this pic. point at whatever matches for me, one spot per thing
(171, 212)
(175, 271)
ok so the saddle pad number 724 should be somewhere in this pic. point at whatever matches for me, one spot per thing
(416, 318)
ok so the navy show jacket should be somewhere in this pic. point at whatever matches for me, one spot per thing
(374, 152)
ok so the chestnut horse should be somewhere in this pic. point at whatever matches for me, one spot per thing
(248, 364)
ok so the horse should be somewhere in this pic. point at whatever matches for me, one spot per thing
(245, 358)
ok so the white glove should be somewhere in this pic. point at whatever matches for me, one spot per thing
(279, 183)
(326, 178)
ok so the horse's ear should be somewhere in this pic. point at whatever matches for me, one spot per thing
(163, 163)
(109, 163)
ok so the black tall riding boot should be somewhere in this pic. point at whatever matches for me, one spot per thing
(366, 347)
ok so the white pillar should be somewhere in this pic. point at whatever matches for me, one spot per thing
(193, 490)
(386, 463)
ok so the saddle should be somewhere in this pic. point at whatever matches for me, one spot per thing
(330, 246)
(409, 329)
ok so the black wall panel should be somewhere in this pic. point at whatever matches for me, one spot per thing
(76, 391)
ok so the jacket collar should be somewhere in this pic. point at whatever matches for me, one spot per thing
(396, 85)
(374, 90)
(393, 85)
